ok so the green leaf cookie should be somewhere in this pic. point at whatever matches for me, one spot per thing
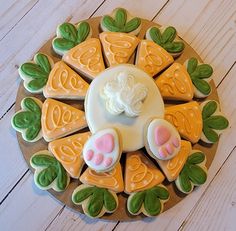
(150, 201)
(213, 121)
(119, 22)
(166, 39)
(95, 201)
(198, 74)
(27, 121)
(35, 74)
(70, 35)
(49, 173)
(194, 172)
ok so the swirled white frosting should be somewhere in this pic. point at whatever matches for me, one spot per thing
(124, 95)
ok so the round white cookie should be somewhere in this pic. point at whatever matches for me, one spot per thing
(128, 108)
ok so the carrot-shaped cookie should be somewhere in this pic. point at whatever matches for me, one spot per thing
(60, 119)
(86, 58)
(70, 35)
(49, 173)
(118, 47)
(187, 118)
(68, 151)
(143, 182)
(194, 172)
(167, 38)
(27, 121)
(35, 73)
(214, 122)
(175, 83)
(152, 58)
(121, 20)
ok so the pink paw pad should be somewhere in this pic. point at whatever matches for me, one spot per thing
(98, 158)
(163, 153)
(162, 135)
(89, 154)
(105, 143)
(175, 142)
(108, 161)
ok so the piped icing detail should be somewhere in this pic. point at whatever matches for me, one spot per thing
(118, 47)
(124, 94)
(68, 151)
(140, 173)
(27, 121)
(214, 122)
(162, 139)
(175, 83)
(60, 119)
(63, 82)
(187, 119)
(172, 167)
(35, 74)
(152, 58)
(102, 151)
(86, 57)
(112, 180)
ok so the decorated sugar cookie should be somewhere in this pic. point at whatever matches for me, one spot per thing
(194, 172)
(49, 173)
(64, 83)
(121, 20)
(200, 75)
(152, 58)
(70, 35)
(102, 151)
(95, 201)
(27, 121)
(175, 83)
(118, 47)
(214, 121)
(143, 182)
(60, 119)
(162, 141)
(172, 167)
(187, 119)
(68, 151)
(112, 180)
(35, 74)
(167, 38)
(86, 58)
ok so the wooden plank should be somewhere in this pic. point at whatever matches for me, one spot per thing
(11, 12)
(31, 33)
(216, 210)
(209, 26)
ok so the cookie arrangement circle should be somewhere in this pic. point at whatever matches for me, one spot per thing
(142, 158)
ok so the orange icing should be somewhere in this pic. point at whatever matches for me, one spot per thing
(86, 57)
(175, 83)
(140, 173)
(152, 58)
(59, 119)
(172, 167)
(63, 81)
(187, 118)
(111, 180)
(118, 47)
(69, 152)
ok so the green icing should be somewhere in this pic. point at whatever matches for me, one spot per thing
(37, 71)
(192, 173)
(28, 120)
(166, 39)
(98, 198)
(71, 36)
(150, 198)
(198, 73)
(52, 170)
(119, 22)
(212, 122)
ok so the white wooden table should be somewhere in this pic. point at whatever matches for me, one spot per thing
(208, 25)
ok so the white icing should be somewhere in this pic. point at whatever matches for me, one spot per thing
(152, 146)
(130, 128)
(124, 94)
